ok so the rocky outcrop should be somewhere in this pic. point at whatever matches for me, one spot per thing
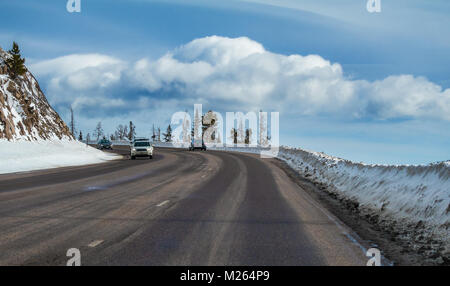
(24, 110)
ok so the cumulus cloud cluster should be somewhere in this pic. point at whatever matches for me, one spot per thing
(81, 72)
(239, 72)
(81, 80)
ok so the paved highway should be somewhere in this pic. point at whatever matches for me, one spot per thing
(181, 208)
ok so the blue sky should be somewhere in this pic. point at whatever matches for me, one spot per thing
(91, 61)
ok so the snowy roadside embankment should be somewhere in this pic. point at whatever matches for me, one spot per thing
(412, 202)
(22, 155)
(414, 199)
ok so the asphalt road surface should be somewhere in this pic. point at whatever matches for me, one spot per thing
(180, 208)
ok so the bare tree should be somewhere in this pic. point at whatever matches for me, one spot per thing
(197, 131)
(121, 132)
(234, 135)
(132, 131)
(219, 140)
(241, 132)
(153, 133)
(98, 132)
(263, 137)
(186, 126)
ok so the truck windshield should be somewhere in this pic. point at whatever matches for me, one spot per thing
(142, 144)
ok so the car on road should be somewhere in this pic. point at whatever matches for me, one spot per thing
(197, 144)
(141, 148)
(104, 144)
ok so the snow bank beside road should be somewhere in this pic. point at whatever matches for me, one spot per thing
(417, 196)
(21, 155)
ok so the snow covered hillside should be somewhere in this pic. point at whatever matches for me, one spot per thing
(32, 135)
(24, 110)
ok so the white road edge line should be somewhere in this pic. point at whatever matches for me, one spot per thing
(163, 203)
(95, 243)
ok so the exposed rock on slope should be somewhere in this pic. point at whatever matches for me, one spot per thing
(24, 111)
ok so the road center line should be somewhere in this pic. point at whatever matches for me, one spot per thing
(95, 243)
(161, 204)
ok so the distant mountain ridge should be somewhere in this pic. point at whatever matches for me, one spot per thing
(25, 113)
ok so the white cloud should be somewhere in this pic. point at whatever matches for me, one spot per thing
(219, 50)
(241, 71)
(229, 73)
(167, 70)
(100, 102)
(406, 95)
(80, 72)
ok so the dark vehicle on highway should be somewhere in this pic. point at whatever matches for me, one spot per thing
(104, 144)
(197, 144)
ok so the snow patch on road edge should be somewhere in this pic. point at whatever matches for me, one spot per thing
(23, 155)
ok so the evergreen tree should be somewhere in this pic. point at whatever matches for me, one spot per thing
(248, 134)
(15, 63)
(168, 134)
(72, 123)
(80, 137)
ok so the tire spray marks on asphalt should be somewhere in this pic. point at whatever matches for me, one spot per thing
(121, 181)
